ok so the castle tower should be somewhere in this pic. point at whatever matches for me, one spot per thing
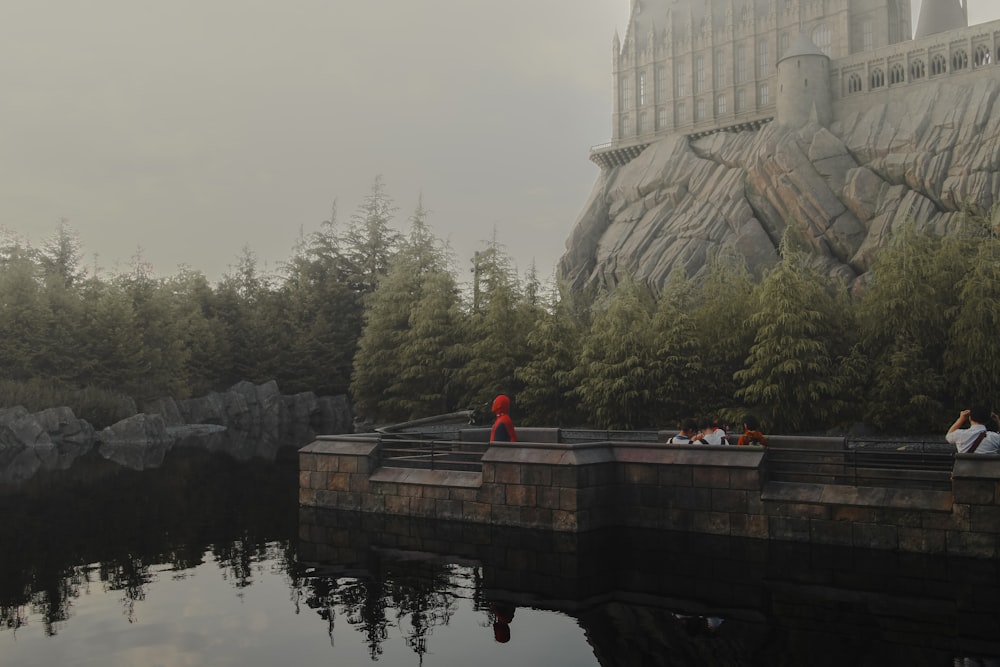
(942, 15)
(804, 85)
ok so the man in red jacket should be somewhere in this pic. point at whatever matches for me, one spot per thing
(503, 427)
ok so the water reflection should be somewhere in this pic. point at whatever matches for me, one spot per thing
(228, 539)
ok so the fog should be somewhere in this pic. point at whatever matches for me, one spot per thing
(181, 132)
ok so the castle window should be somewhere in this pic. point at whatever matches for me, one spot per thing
(741, 100)
(959, 60)
(867, 35)
(741, 63)
(699, 74)
(699, 110)
(822, 38)
(721, 105)
(681, 111)
(983, 56)
(785, 39)
(625, 129)
(939, 65)
(661, 83)
(643, 122)
(680, 80)
(897, 74)
(763, 71)
(877, 79)
(626, 101)
(917, 70)
(661, 118)
(854, 83)
(746, 13)
(642, 88)
(763, 95)
(720, 69)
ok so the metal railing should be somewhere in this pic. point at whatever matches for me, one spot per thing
(433, 454)
(880, 468)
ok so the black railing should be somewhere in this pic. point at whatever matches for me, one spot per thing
(894, 469)
(433, 454)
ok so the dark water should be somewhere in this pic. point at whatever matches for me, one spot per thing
(206, 561)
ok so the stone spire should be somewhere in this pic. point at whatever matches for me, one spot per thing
(942, 15)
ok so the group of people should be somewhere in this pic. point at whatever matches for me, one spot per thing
(713, 432)
(976, 431)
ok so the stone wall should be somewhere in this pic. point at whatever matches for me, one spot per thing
(575, 488)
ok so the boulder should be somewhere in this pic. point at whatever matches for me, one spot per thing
(138, 442)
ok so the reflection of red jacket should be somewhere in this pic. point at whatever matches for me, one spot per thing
(503, 427)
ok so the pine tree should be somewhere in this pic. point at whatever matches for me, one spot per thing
(791, 378)
(618, 385)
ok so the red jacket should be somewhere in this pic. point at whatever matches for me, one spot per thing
(503, 427)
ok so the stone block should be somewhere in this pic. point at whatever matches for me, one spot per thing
(426, 507)
(748, 480)
(476, 512)
(547, 497)
(974, 491)
(534, 517)
(397, 505)
(307, 497)
(348, 463)
(798, 510)
(359, 483)
(568, 500)
(565, 521)
(372, 502)
(676, 519)
(338, 481)
(465, 495)
(565, 477)
(638, 473)
(898, 518)
(714, 523)
(729, 500)
(717, 478)
(489, 473)
(831, 532)
(521, 495)
(506, 515)
(675, 475)
(791, 529)
(852, 513)
(507, 473)
(922, 540)
(411, 490)
(957, 519)
(448, 509)
(327, 463)
(537, 475)
(307, 462)
(748, 525)
(495, 494)
(874, 536)
(984, 519)
(973, 545)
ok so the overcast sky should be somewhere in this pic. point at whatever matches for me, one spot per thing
(193, 128)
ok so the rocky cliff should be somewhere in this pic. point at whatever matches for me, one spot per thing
(921, 159)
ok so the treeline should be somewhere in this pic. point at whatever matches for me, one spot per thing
(381, 314)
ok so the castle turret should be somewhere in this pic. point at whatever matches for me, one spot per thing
(942, 15)
(804, 85)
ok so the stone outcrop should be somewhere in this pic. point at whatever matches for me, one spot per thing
(925, 158)
(247, 421)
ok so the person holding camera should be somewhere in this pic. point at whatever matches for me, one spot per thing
(980, 437)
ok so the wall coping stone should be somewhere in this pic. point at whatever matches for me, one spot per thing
(453, 478)
(341, 446)
(696, 455)
(859, 496)
(561, 453)
(976, 466)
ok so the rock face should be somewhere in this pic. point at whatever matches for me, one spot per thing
(247, 421)
(921, 159)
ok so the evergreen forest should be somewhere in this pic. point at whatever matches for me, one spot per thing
(377, 308)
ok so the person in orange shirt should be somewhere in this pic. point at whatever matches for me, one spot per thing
(751, 433)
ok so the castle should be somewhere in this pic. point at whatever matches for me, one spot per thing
(695, 67)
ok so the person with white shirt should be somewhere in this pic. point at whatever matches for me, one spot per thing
(978, 438)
